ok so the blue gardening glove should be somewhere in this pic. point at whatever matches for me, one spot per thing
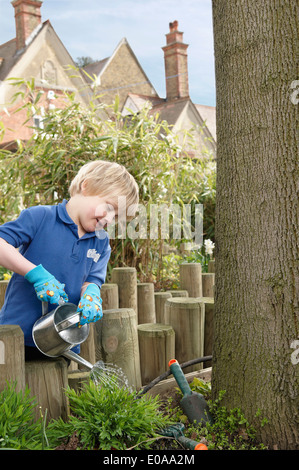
(90, 305)
(47, 288)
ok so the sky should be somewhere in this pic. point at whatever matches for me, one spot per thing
(94, 28)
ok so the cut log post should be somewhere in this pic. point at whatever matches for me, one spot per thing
(186, 316)
(211, 266)
(3, 287)
(190, 279)
(12, 357)
(47, 380)
(126, 279)
(109, 294)
(208, 281)
(117, 342)
(179, 293)
(156, 347)
(160, 299)
(208, 303)
(77, 379)
(146, 303)
(87, 349)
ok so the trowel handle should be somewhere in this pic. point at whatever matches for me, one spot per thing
(190, 444)
(179, 376)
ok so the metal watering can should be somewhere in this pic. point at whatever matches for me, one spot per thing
(55, 333)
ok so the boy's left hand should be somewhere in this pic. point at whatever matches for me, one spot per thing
(90, 305)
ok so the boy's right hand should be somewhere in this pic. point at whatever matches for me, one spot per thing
(47, 288)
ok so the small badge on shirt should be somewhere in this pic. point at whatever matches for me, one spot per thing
(92, 253)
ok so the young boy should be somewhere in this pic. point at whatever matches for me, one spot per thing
(60, 255)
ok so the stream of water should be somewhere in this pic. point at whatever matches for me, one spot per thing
(108, 374)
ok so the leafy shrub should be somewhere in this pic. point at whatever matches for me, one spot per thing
(160, 161)
(109, 417)
(18, 428)
(230, 429)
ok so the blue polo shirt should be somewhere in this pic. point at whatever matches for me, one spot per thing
(47, 235)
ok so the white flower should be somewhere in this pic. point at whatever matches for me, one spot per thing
(209, 246)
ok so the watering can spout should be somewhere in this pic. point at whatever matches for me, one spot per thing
(80, 360)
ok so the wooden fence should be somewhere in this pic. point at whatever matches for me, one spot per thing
(141, 330)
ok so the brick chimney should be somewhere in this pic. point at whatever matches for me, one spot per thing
(28, 17)
(176, 64)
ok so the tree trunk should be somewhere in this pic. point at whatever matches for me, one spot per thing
(257, 284)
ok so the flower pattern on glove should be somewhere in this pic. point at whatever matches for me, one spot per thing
(90, 305)
(51, 291)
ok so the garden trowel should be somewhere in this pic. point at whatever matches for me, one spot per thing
(194, 405)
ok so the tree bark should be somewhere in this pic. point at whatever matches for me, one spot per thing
(257, 230)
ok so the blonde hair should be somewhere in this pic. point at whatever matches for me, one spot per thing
(103, 178)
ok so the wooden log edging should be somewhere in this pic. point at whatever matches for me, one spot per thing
(208, 304)
(187, 316)
(116, 341)
(47, 380)
(3, 287)
(146, 303)
(109, 294)
(190, 279)
(12, 356)
(126, 279)
(156, 347)
(178, 293)
(208, 283)
(160, 299)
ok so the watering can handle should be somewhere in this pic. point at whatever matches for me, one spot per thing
(45, 306)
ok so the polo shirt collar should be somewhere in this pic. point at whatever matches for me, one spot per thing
(64, 216)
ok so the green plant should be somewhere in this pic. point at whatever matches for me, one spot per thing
(202, 254)
(109, 417)
(230, 429)
(18, 427)
(159, 160)
(200, 386)
(169, 272)
(5, 274)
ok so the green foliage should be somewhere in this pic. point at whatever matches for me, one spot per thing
(200, 386)
(169, 274)
(18, 429)
(109, 417)
(230, 429)
(201, 254)
(40, 171)
(5, 274)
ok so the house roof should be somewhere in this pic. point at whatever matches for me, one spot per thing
(9, 54)
(208, 114)
(95, 68)
(170, 111)
(98, 68)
